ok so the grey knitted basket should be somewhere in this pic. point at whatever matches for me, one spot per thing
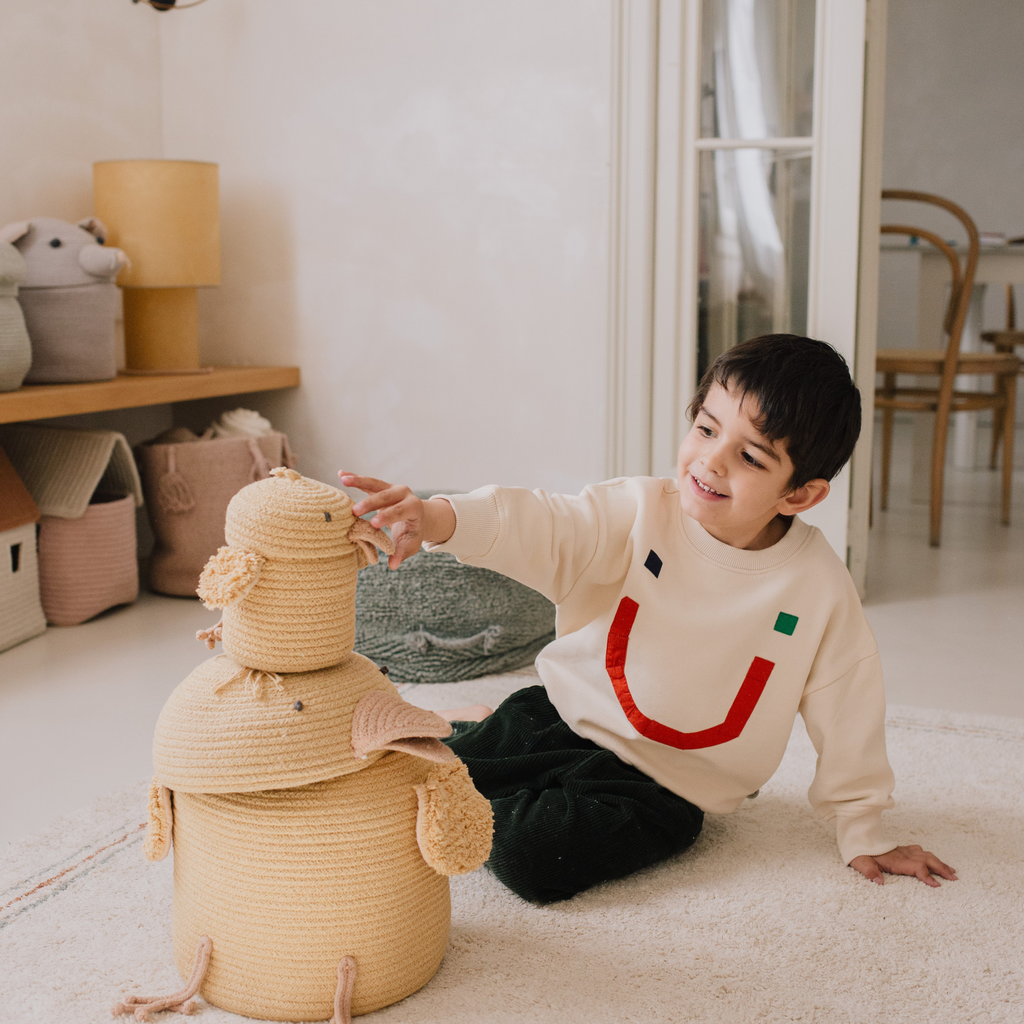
(434, 620)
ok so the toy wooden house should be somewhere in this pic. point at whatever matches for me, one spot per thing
(21, 613)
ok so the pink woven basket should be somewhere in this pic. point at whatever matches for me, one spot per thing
(88, 565)
(188, 487)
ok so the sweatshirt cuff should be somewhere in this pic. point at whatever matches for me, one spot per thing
(861, 835)
(477, 523)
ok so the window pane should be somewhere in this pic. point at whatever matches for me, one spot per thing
(754, 246)
(757, 68)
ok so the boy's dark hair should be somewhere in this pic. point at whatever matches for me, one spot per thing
(805, 394)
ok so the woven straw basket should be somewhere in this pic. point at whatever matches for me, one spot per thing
(188, 486)
(326, 864)
(314, 815)
(88, 565)
(288, 882)
(291, 607)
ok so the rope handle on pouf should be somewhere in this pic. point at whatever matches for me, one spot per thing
(179, 1002)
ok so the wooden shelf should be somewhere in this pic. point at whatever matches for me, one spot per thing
(41, 401)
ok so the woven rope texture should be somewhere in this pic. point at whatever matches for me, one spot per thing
(289, 882)
(89, 564)
(214, 736)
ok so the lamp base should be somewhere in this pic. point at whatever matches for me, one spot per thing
(161, 331)
(126, 372)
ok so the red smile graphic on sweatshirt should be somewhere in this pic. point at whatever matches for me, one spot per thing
(742, 707)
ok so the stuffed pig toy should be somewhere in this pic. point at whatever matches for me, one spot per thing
(15, 350)
(68, 297)
(314, 815)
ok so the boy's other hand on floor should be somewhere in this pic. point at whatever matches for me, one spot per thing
(904, 860)
(412, 521)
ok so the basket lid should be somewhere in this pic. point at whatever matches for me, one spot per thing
(290, 516)
(228, 729)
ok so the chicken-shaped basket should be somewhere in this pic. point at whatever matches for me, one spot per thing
(315, 815)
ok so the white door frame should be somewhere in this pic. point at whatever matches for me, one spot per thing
(653, 269)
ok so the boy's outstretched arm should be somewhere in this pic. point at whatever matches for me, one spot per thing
(904, 860)
(412, 520)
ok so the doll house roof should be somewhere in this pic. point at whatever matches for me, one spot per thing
(16, 505)
(62, 468)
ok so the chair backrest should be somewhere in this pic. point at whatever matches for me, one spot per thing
(962, 284)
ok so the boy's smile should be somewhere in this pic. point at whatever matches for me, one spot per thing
(734, 481)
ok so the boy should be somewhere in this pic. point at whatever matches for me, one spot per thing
(695, 618)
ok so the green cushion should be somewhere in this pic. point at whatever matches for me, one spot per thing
(433, 620)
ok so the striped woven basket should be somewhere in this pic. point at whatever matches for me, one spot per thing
(88, 565)
(315, 816)
(288, 882)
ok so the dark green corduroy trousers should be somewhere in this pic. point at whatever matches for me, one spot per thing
(567, 813)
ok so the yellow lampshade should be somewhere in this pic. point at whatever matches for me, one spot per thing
(164, 215)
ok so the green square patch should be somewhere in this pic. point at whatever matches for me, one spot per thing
(785, 623)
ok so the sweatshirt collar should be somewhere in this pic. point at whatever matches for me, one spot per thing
(739, 558)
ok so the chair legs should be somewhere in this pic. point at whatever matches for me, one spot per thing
(1009, 416)
(997, 423)
(938, 474)
(887, 421)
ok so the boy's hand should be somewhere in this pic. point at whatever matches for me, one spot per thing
(904, 860)
(412, 520)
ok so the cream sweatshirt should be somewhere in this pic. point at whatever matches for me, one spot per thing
(689, 658)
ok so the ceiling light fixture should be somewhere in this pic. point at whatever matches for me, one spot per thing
(169, 5)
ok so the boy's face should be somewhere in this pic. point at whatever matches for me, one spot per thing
(733, 480)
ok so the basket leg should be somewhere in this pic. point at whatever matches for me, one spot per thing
(343, 993)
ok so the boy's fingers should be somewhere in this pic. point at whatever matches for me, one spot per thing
(391, 513)
(926, 876)
(869, 868)
(372, 502)
(939, 868)
(404, 548)
(362, 483)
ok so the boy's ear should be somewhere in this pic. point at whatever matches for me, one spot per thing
(804, 497)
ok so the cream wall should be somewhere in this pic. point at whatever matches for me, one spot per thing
(81, 83)
(414, 209)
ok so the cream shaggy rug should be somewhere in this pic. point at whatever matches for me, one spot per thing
(758, 922)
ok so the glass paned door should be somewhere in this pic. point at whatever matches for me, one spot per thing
(754, 174)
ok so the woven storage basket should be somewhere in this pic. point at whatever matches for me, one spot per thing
(299, 613)
(15, 348)
(215, 736)
(88, 565)
(188, 487)
(288, 882)
(72, 332)
(289, 851)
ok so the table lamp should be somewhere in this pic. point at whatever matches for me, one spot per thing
(164, 215)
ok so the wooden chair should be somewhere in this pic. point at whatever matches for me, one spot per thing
(943, 399)
(1004, 341)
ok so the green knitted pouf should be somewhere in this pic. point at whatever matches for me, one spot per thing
(434, 620)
